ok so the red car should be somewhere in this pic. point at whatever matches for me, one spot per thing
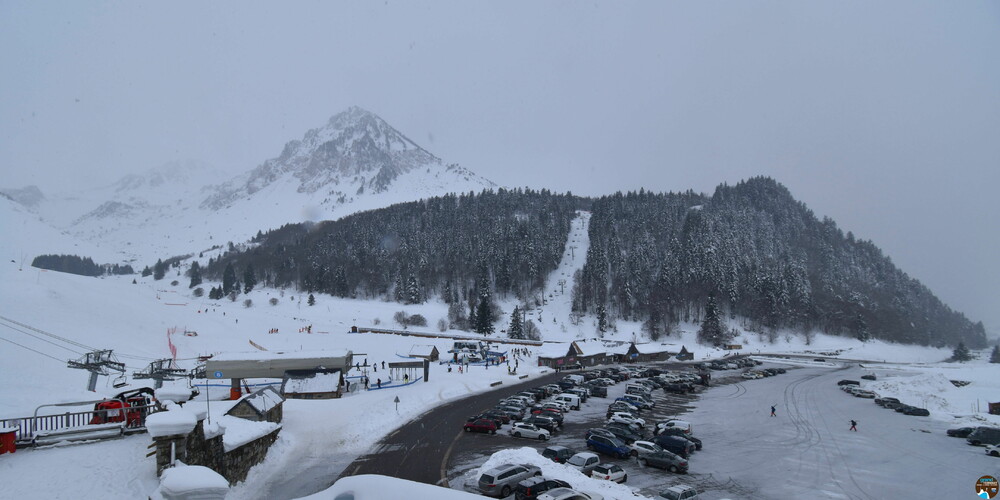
(481, 425)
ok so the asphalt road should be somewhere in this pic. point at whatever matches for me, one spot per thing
(420, 450)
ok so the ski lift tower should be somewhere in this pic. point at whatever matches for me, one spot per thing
(160, 370)
(97, 363)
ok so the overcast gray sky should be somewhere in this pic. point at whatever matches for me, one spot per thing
(884, 116)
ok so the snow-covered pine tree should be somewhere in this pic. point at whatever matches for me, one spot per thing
(312, 300)
(195, 273)
(711, 332)
(961, 353)
(228, 279)
(515, 330)
(995, 355)
(249, 278)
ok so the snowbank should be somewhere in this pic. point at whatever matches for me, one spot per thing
(375, 487)
(191, 482)
(551, 469)
(176, 421)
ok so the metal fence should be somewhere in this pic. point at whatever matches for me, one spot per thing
(133, 419)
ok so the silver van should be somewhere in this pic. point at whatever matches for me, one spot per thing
(501, 481)
(984, 435)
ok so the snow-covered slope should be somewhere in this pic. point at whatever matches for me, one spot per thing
(355, 162)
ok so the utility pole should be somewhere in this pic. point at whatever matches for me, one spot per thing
(97, 363)
(160, 370)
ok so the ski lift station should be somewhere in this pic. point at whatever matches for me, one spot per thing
(267, 364)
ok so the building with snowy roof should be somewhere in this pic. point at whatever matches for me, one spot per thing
(263, 405)
(312, 384)
(579, 354)
(427, 352)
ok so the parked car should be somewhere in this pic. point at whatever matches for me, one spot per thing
(501, 481)
(678, 492)
(613, 447)
(609, 472)
(641, 447)
(848, 382)
(496, 420)
(521, 429)
(681, 433)
(993, 450)
(599, 431)
(861, 393)
(530, 488)
(627, 419)
(903, 408)
(665, 460)
(558, 454)
(675, 424)
(584, 462)
(625, 433)
(984, 435)
(496, 415)
(597, 390)
(568, 494)
(868, 377)
(961, 432)
(544, 422)
(892, 405)
(676, 444)
(883, 401)
(918, 412)
(481, 425)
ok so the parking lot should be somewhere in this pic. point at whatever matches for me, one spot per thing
(472, 450)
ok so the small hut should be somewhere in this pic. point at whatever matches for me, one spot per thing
(428, 352)
(263, 405)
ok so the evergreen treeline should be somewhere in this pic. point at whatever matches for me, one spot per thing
(765, 257)
(450, 247)
(74, 264)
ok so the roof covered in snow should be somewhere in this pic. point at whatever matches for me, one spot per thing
(311, 382)
(422, 350)
(174, 422)
(591, 347)
(654, 348)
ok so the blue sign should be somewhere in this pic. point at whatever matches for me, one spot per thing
(218, 374)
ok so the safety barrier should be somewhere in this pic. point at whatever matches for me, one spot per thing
(134, 420)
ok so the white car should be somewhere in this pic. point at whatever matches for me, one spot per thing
(749, 376)
(640, 448)
(557, 404)
(861, 393)
(609, 472)
(531, 431)
(674, 424)
(625, 418)
(993, 450)
(568, 494)
(679, 492)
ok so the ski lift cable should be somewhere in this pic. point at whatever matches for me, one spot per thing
(42, 339)
(43, 332)
(33, 350)
(68, 341)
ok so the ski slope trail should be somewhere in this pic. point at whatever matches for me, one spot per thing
(554, 315)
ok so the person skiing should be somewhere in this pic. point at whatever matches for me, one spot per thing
(854, 426)
(772, 411)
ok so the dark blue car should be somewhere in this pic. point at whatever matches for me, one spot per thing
(608, 446)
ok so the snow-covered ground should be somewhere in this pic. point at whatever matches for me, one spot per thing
(59, 317)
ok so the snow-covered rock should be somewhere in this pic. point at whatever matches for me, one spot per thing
(174, 422)
(192, 482)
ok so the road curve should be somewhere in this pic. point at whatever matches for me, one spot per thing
(419, 450)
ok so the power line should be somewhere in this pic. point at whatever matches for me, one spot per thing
(43, 332)
(40, 338)
(68, 341)
(32, 350)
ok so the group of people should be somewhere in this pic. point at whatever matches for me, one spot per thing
(854, 423)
